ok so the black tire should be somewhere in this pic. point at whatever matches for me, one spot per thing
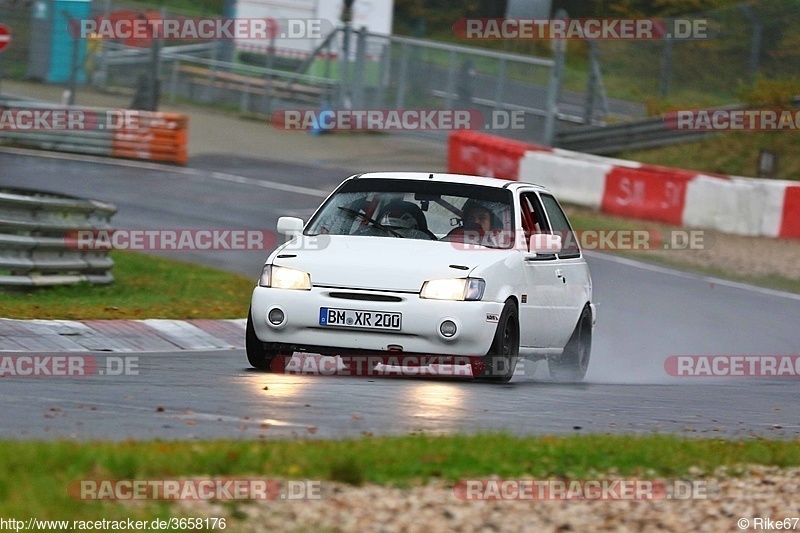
(257, 354)
(500, 362)
(573, 363)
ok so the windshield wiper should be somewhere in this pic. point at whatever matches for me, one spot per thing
(375, 223)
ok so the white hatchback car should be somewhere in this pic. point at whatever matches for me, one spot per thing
(479, 269)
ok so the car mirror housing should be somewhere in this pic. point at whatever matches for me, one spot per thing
(290, 226)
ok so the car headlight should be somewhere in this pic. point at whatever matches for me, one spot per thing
(453, 289)
(279, 277)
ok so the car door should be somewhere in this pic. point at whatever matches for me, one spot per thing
(541, 308)
(572, 269)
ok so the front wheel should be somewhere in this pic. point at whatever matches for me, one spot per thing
(574, 360)
(498, 365)
(258, 356)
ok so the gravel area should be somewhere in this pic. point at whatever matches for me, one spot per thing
(758, 492)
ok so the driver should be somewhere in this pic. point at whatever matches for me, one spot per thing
(477, 217)
(479, 225)
(402, 214)
(406, 217)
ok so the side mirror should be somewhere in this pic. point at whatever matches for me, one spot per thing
(290, 226)
(544, 243)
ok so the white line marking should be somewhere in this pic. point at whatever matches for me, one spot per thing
(694, 276)
(221, 176)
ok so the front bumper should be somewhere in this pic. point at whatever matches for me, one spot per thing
(476, 322)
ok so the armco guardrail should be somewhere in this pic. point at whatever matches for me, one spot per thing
(34, 244)
(615, 138)
(631, 135)
(151, 136)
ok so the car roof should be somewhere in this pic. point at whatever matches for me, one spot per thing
(450, 178)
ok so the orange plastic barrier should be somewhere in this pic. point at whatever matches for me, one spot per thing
(154, 137)
(480, 154)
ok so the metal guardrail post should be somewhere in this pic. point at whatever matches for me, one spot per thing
(244, 103)
(385, 75)
(553, 92)
(452, 68)
(400, 102)
(173, 83)
(359, 67)
(37, 244)
(499, 89)
(666, 68)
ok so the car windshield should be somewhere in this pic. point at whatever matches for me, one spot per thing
(417, 209)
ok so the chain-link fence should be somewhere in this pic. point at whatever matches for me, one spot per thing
(759, 38)
(359, 70)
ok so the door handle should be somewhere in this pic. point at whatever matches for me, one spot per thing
(560, 275)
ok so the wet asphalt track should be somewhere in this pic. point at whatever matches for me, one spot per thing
(645, 314)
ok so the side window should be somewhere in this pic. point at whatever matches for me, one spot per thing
(533, 219)
(561, 227)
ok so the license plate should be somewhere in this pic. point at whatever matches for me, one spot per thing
(352, 318)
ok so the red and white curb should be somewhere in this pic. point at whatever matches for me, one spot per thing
(152, 335)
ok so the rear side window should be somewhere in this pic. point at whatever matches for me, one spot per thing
(560, 224)
(532, 214)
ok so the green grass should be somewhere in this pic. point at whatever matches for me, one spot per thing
(583, 220)
(35, 482)
(733, 153)
(145, 287)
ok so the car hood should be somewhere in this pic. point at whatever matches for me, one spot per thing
(380, 263)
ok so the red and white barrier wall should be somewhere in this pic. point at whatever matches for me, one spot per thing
(741, 206)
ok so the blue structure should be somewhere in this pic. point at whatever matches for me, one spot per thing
(51, 42)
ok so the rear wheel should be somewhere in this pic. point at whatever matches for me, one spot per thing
(574, 360)
(257, 354)
(498, 365)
